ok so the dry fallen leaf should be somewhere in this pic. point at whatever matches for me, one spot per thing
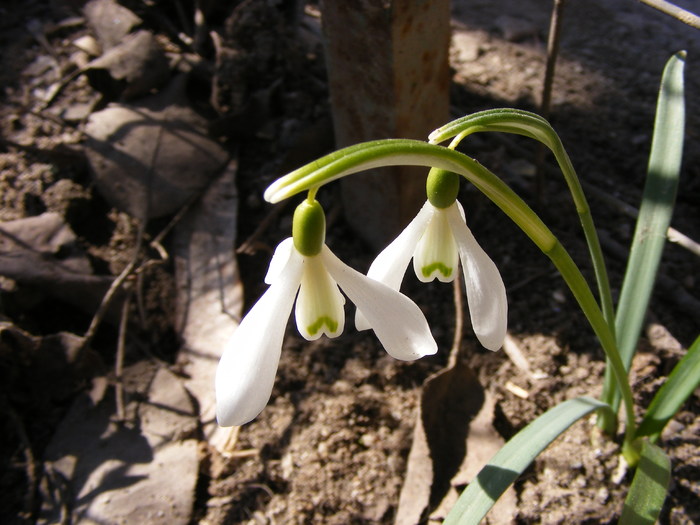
(453, 439)
(149, 158)
(143, 470)
(209, 298)
(450, 399)
(109, 21)
(42, 252)
(131, 69)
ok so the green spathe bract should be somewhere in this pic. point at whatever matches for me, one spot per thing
(309, 228)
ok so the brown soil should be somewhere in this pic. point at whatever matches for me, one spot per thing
(332, 446)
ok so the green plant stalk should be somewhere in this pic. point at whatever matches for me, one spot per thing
(654, 219)
(531, 125)
(393, 152)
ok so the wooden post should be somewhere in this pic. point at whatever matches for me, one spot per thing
(388, 71)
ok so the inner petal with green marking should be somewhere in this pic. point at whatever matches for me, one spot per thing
(319, 307)
(436, 254)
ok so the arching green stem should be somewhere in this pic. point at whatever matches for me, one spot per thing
(393, 152)
(531, 125)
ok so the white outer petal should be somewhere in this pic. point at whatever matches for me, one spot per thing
(389, 267)
(279, 260)
(398, 322)
(246, 372)
(486, 293)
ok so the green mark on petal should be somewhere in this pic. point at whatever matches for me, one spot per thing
(332, 325)
(436, 266)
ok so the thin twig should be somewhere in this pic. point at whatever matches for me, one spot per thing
(128, 270)
(30, 461)
(248, 246)
(119, 358)
(676, 12)
(552, 53)
(157, 242)
(231, 439)
(107, 301)
(64, 83)
(54, 485)
(545, 107)
(200, 28)
(673, 235)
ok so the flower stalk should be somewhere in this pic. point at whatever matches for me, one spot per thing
(533, 126)
(394, 152)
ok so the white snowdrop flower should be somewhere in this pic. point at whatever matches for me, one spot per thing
(304, 264)
(437, 239)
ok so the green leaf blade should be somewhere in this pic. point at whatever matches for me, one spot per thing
(515, 456)
(654, 217)
(681, 383)
(649, 487)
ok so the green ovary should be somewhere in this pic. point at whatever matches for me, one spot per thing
(332, 325)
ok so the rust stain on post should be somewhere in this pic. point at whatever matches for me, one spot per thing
(388, 72)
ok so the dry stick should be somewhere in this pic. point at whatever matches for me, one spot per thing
(119, 359)
(676, 12)
(107, 300)
(200, 28)
(126, 272)
(64, 83)
(683, 299)
(52, 481)
(672, 289)
(249, 245)
(157, 242)
(31, 468)
(672, 234)
(184, 19)
(552, 53)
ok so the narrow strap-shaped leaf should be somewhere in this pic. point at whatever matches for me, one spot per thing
(684, 379)
(654, 217)
(515, 457)
(649, 487)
